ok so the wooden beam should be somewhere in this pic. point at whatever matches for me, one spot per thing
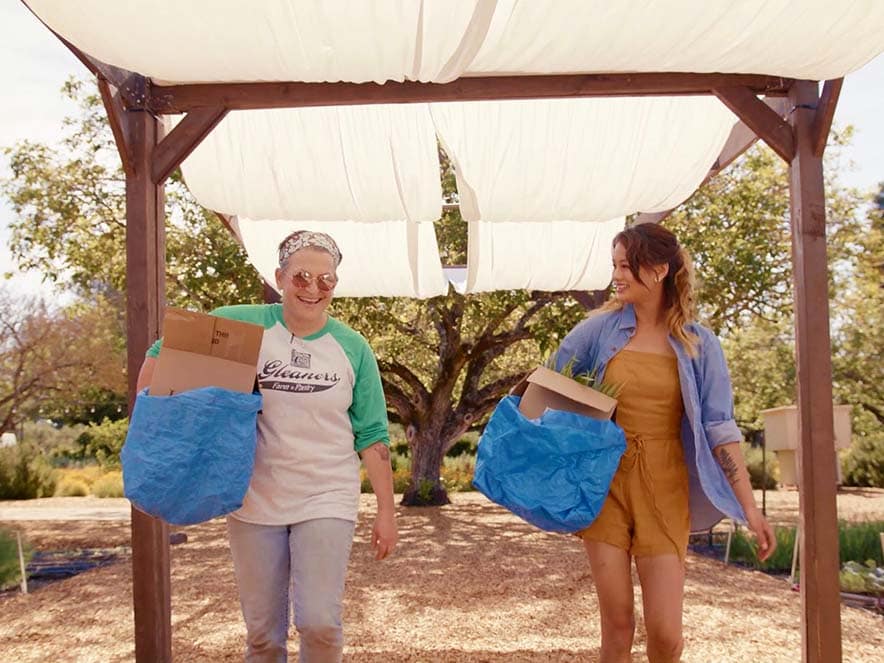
(758, 116)
(183, 140)
(167, 99)
(116, 116)
(825, 113)
(145, 286)
(738, 142)
(820, 597)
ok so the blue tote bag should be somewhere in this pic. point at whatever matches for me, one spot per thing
(553, 471)
(189, 457)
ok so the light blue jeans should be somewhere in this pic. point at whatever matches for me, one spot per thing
(302, 565)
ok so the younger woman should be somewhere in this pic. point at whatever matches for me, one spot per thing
(682, 470)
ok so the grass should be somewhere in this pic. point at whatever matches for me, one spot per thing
(10, 570)
(88, 480)
(857, 542)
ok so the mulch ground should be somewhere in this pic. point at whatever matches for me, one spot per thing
(469, 583)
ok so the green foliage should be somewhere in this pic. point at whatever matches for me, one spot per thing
(862, 578)
(857, 542)
(104, 441)
(70, 220)
(467, 445)
(108, 485)
(24, 473)
(745, 549)
(761, 474)
(10, 566)
(587, 378)
(863, 464)
(58, 445)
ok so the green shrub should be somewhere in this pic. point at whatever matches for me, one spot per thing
(758, 477)
(10, 567)
(744, 549)
(863, 464)
(861, 578)
(25, 473)
(860, 542)
(72, 488)
(857, 542)
(104, 441)
(465, 445)
(109, 485)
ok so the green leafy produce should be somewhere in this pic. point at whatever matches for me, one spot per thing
(587, 378)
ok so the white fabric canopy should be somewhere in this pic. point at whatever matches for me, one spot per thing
(369, 175)
(390, 258)
(359, 163)
(579, 159)
(439, 40)
(552, 256)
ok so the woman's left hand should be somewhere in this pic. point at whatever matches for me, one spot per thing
(384, 534)
(764, 534)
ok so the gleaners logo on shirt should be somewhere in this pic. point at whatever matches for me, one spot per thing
(279, 376)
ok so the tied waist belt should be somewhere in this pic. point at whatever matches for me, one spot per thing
(636, 455)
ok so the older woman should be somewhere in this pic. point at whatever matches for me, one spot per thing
(322, 405)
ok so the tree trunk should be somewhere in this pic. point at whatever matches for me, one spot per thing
(427, 451)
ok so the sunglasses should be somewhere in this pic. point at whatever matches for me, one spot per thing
(325, 282)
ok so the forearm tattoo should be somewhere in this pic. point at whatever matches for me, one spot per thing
(728, 464)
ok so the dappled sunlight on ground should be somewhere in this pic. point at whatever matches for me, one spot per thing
(469, 583)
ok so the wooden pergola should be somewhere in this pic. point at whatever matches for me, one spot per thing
(794, 120)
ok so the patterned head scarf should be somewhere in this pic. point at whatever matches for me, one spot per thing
(301, 239)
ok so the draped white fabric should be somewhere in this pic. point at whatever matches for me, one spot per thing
(389, 258)
(439, 40)
(808, 39)
(552, 255)
(539, 181)
(579, 159)
(359, 163)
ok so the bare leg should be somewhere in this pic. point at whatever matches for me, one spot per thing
(662, 581)
(611, 573)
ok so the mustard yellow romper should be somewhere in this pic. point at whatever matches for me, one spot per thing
(647, 510)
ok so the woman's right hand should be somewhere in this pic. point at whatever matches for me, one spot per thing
(764, 534)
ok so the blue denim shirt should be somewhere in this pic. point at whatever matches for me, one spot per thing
(708, 404)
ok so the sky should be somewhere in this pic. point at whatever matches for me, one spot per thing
(34, 65)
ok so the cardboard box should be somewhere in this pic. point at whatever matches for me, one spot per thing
(202, 350)
(546, 388)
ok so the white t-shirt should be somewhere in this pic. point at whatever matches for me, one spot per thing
(322, 403)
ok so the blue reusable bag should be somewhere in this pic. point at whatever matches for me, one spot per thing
(189, 457)
(553, 471)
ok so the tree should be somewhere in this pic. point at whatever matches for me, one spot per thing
(447, 361)
(70, 219)
(858, 344)
(737, 228)
(46, 356)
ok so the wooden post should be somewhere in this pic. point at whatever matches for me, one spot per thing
(820, 598)
(145, 287)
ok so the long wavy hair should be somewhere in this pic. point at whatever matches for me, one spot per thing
(650, 245)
